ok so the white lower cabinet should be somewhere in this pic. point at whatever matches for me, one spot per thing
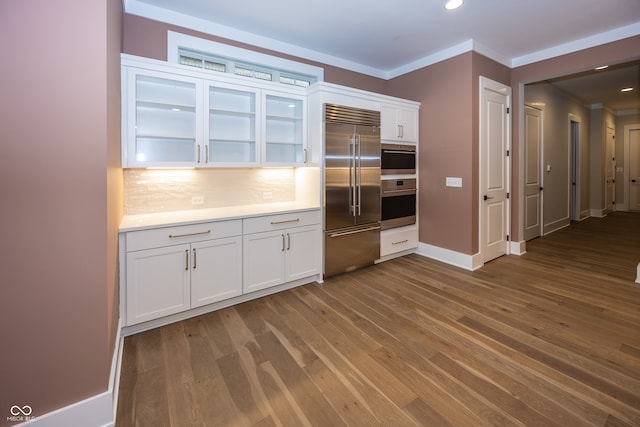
(201, 266)
(158, 283)
(170, 270)
(216, 272)
(398, 239)
(280, 248)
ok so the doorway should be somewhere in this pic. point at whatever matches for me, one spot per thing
(494, 210)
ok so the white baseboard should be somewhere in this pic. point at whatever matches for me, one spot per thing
(96, 411)
(518, 248)
(468, 262)
(598, 213)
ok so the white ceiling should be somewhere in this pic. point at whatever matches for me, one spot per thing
(387, 38)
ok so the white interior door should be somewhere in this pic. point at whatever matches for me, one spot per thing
(494, 168)
(634, 169)
(609, 170)
(532, 173)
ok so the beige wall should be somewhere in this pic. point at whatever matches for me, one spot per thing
(59, 205)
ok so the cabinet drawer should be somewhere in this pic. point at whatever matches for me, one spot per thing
(398, 240)
(281, 221)
(167, 236)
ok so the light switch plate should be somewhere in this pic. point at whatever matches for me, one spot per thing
(453, 182)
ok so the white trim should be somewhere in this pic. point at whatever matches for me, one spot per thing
(457, 259)
(442, 55)
(577, 45)
(177, 40)
(518, 248)
(95, 411)
(638, 275)
(556, 225)
(597, 213)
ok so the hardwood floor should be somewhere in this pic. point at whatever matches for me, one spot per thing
(550, 338)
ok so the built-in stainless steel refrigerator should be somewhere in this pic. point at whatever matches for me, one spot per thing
(351, 188)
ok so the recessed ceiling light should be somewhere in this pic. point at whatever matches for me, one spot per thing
(602, 67)
(626, 89)
(453, 4)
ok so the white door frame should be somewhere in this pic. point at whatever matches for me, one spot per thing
(497, 87)
(627, 163)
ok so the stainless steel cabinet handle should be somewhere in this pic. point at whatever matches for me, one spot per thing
(282, 242)
(194, 258)
(285, 222)
(400, 242)
(359, 182)
(206, 153)
(401, 131)
(186, 256)
(174, 236)
(305, 155)
(198, 161)
(288, 241)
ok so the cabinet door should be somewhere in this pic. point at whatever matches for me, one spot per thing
(388, 124)
(284, 129)
(263, 260)
(163, 119)
(232, 131)
(398, 124)
(216, 270)
(157, 283)
(303, 252)
(408, 121)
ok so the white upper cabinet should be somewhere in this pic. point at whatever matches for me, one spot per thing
(198, 119)
(284, 129)
(233, 126)
(398, 123)
(162, 121)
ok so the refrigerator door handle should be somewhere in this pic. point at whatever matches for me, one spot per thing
(352, 176)
(346, 233)
(359, 172)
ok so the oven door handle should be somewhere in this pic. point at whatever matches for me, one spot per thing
(406, 191)
(399, 151)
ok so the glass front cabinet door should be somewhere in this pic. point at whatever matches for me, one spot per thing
(284, 129)
(163, 120)
(232, 130)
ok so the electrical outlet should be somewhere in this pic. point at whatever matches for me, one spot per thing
(267, 195)
(197, 200)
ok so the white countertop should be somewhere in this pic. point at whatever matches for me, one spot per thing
(194, 216)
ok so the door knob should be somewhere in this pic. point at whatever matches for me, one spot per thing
(487, 197)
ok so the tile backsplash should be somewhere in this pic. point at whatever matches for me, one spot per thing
(163, 190)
